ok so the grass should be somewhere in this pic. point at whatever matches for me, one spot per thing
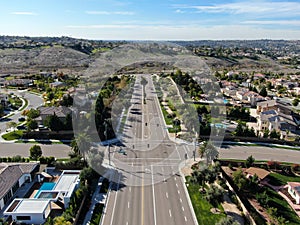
(202, 207)
(283, 208)
(14, 135)
(279, 179)
(25, 105)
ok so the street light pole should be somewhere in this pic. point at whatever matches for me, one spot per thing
(105, 134)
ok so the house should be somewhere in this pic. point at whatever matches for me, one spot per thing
(50, 196)
(294, 191)
(19, 82)
(260, 173)
(13, 176)
(57, 84)
(61, 112)
(274, 120)
(274, 104)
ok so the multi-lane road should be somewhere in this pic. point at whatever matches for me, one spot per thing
(148, 189)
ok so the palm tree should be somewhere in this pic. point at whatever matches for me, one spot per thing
(81, 144)
(209, 150)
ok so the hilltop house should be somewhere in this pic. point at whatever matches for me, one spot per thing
(260, 173)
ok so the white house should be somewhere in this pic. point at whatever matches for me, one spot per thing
(294, 191)
(29, 211)
(36, 210)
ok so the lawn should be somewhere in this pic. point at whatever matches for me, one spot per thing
(202, 207)
(13, 135)
(279, 179)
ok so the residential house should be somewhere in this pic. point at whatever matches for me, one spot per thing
(61, 112)
(35, 210)
(294, 191)
(274, 120)
(57, 84)
(274, 104)
(249, 97)
(260, 173)
(19, 83)
(13, 176)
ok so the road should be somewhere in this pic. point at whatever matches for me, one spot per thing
(56, 150)
(34, 101)
(148, 189)
(259, 153)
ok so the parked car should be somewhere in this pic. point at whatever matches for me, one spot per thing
(21, 119)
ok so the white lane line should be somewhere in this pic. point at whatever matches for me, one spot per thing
(170, 213)
(185, 218)
(177, 152)
(153, 196)
(178, 192)
(174, 178)
(167, 195)
(180, 200)
(129, 189)
(128, 205)
(176, 185)
(182, 208)
(112, 217)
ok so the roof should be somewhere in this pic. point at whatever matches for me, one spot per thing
(295, 186)
(261, 173)
(67, 181)
(60, 111)
(27, 205)
(10, 173)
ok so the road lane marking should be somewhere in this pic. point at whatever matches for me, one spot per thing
(153, 196)
(185, 218)
(167, 195)
(112, 217)
(170, 213)
(176, 185)
(128, 205)
(142, 201)
(174, 178)
(178, 192)
(182, 208)
(180, 200)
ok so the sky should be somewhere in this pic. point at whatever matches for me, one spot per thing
(152, 20)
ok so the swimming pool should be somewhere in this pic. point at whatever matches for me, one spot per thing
(45, 186)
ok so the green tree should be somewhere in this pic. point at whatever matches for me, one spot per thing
(263, 91)
(32, 114)
(81, 144)
(295, 101)
(239, 179)
(249, 161)
(211, 152)
(32, 125)
(87, 175)
(54, 123)
(274, 134)
(214, 195)
(35, 152)
(60, 220)
(228, 220)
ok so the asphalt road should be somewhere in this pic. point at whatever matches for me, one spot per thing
(148, 189)
(12, 149)
(260, 153)
(34, 101)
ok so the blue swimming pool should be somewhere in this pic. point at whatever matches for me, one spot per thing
(45, 186)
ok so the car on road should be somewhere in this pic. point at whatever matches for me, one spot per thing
(21, 127)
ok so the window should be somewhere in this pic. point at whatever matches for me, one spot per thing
(23, 217)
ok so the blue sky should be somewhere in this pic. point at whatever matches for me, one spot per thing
(152, 20)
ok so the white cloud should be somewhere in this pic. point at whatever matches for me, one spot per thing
(24, 13)
(248, 7)
(180, 32)
(273, 22)
(125, 13)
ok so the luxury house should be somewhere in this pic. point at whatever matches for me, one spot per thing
(61, 112)
(50, 196)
